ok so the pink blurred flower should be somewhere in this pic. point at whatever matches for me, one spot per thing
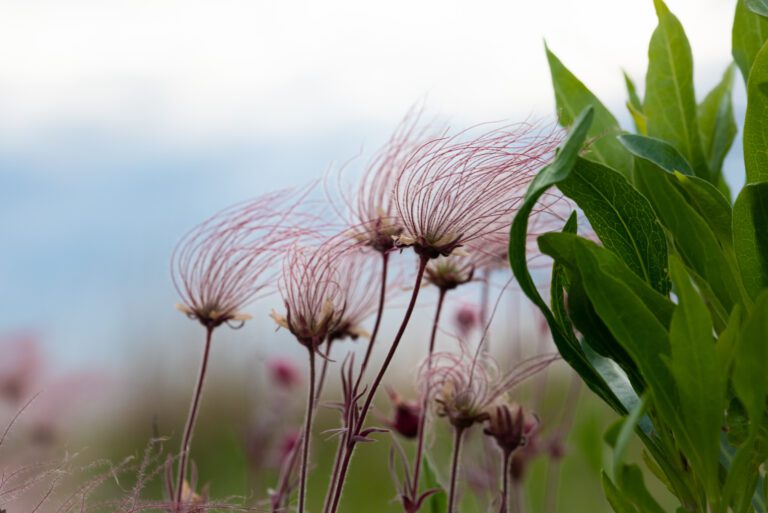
(284, 373)
(21, 368)
(405, 421)
(467, 318)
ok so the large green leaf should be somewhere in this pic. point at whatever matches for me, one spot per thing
(756, 121)
(750, 380)
(618, 501)
(670, 104)
(704, 197)
(556, 171)
(657, 151)
(758, 7)
(696, 242)
(750, 236)
(694, 365)
(635, 106)
(633, 486)
(622, 218)
(750, 32)
(718, 126)
(572, 96)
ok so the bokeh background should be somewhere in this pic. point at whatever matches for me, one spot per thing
(123, 124)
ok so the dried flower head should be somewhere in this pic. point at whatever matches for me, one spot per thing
(447, 273)
(464, 387)
(452, 191)
(371, 210)
(313, 292)
(227, 261)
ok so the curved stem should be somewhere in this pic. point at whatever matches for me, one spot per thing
(375, 385)
(505, 471)
(377, 323)
(307, 431)
(192, 417)
(424, 404)
(458, 436)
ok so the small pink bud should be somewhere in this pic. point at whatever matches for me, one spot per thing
(407, 415)
(284, 373)
(466, 318)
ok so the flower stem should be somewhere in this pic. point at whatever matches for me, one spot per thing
(357, 428)
(505, 471)
(458, 436)
(377, 323)
(307, 431)
(192, 417)
(424, 405)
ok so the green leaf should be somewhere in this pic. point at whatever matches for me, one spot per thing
(572, 96)
(717, 123)
(616, 499)
(657, 151)
(750, 380)
(635, 106)
(750, 32)
(700, 387)
(556, 171)
(670, 103)
(758, 7)
(756, 121)
(625, 436)
(750, 236)
(438, 503)
(693, 239)
(632, 484)
(622, 218)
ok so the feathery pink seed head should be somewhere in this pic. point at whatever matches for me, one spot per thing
(313, 291)
(224, 263)
(451, 191)
(465, 386)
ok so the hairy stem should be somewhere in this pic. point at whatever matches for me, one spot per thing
(307, 432)
(323, 371)
(424, 404)
(357, 428)
(194, 407)
(457, 438)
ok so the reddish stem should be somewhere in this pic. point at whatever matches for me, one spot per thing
(307, 431)
(458, 437)
(505, 471)
(425, 404)
(357, 428)
(192, 417)
(377, 323)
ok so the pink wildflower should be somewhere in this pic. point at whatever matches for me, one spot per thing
(284, 373)
(467, 318)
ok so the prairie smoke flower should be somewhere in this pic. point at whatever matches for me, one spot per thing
(371, 210)
(224, 263)
(406, 415)
(312, 291)
(447, 273)
(464, 387)
(511, 426)
(451, 192)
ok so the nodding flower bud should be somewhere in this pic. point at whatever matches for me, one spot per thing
(466, 318)
(509, 426)
(447, 273)
(407, 415)
(284, 373)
